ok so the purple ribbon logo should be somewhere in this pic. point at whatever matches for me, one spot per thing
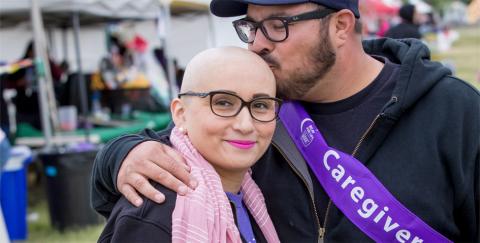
(308, 131)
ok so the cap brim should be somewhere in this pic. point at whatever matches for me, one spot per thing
(228, 8)
(231, 8)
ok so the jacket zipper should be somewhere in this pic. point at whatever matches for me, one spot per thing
(365, 135)
(393, 100)
(320, 229)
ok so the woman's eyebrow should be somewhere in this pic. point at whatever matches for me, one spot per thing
(260, 95)
(225, 90)
(256, 95)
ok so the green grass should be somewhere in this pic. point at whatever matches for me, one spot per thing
(465, 55)
(40, 231)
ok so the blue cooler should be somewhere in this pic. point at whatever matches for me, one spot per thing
(13, 192)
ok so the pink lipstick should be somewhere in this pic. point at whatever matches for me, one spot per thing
(242, 144)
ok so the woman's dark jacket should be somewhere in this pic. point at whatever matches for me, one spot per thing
(149, 223)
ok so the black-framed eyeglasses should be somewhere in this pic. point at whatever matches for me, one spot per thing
(274, 28)
(225, 104)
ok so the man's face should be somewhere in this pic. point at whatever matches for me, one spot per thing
(300, 61)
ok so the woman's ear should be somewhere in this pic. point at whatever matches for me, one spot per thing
(177, 108)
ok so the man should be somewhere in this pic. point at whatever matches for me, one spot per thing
(408, 28)
(416, 128)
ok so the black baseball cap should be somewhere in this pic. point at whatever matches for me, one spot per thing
(230, 8)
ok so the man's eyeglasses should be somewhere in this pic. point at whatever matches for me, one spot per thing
(224, 104)
(274, 28)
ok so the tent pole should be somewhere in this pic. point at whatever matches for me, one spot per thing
(211, 31)
(65, 44)
(41, 67)
(81, 78)
(172, 79)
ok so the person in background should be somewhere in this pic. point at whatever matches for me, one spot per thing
(383, 26)
(24, 81)
(408, 27)
(224, 121)
(179, 72)
(404, 118)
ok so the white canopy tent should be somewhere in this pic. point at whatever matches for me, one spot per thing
(73, 13)
(192, 27)
(59, 12)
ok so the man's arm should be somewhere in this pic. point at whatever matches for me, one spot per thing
(104, 193)
(136, 159)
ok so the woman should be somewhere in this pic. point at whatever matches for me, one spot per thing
(224, 121)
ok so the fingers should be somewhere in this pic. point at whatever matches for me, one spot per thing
(166, 179)
(154, 161)
(130, 181)
(178, 168)
(134, 178)
(131, 178)
(131, 195)
(144, 187)
(176, 157)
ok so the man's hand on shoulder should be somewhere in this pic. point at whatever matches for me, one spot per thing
(155, 161)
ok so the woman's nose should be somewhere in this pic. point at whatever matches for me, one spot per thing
(244, 121)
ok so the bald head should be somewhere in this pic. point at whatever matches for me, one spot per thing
(225, 64)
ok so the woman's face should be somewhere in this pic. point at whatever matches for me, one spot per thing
(230, 144)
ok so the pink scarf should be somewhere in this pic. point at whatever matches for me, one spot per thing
(205, 215)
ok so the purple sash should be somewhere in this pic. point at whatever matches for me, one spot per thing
(352, 187)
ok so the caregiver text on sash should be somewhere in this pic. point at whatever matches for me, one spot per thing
(367, 207)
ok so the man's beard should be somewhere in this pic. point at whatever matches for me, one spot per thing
(320, 60)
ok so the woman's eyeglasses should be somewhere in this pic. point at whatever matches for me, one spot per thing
(225, 104)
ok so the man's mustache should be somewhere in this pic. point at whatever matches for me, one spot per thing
(271, 61)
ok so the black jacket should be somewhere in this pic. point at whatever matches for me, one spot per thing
(424, 147)
(150, 222)
(404, 30)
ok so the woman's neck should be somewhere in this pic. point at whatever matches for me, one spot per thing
(231, 180)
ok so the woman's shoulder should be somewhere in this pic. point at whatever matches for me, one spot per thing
(149, 220)
(149, 212)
